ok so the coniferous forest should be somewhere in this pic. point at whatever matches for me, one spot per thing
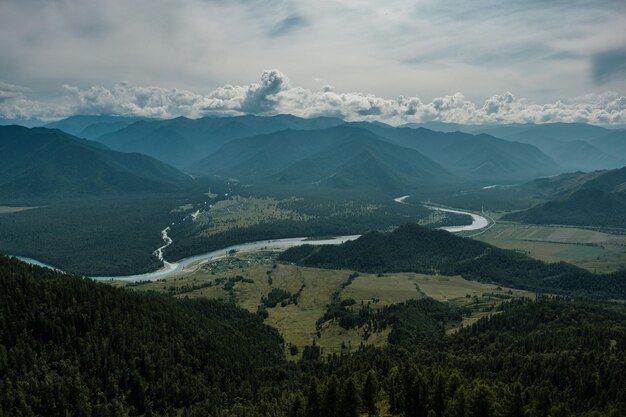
(71, 346)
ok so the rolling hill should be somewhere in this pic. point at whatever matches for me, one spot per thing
(339, 157)
(412, 248)
(182, 141)
(48, 163)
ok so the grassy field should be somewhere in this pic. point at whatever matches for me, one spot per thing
(238, 211)
(589, 249)
(253, 276)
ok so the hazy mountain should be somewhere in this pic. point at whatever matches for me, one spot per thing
(439, 126)
(21, 122)
(182, 142)
(571, 145)
(585, 199)
(477, 156)
(89, 127)
(613, 144)
(339, 157)
(497, 130)
(579, 154)
(542, 135)
(41, 162)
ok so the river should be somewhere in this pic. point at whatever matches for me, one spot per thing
(193, 262)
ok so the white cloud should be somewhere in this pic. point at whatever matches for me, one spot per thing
(274, 94)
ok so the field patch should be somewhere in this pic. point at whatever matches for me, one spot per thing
(241, 212)
(590, 249)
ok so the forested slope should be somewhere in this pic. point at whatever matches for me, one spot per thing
(71, 346)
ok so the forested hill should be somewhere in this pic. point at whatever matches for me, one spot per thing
(71, 346)
(40, 162)
(418, 249)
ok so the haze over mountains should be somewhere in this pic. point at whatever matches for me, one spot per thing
(323, 151)
(339, 156)
(574, 146)
(183, 141)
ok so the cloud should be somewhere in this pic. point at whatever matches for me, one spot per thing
(262, 97)
(274, 94)
(430, 47)
(609, 65)
(288, 25)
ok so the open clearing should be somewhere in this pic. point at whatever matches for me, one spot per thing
(593, 250)
(247, 279)
(237, 211)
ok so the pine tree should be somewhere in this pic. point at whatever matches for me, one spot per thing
(350, 401)
(313, 404)
(370, 394)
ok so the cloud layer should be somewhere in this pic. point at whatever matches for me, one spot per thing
(274, 94)
(542, 50)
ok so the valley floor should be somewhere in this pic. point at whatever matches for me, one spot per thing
(248, 279)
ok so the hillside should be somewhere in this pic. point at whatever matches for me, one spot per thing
(339, 157)
(474, 156)
(70, 346)
(412, 248)
(594, 199)
(182, 141)
(42, 162)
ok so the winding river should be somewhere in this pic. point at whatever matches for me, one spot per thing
(193, 262)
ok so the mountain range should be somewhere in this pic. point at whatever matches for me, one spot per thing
(323, 151)
(340, 157)
(181, 142)
(574, 146)
(476, 156)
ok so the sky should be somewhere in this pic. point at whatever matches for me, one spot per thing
(398, 61)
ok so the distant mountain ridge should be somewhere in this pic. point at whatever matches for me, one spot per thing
(475, 156)
(182, 141)
(571, 145)
(510, 152)
(90, 127)
(339, 157)
(41, 162)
